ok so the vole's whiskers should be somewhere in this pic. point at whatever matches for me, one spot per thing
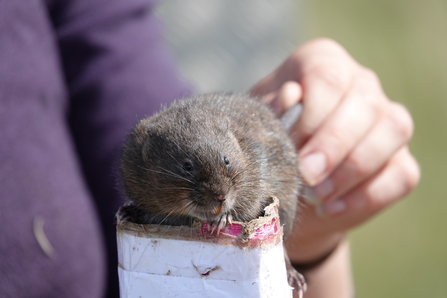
(171, 207)
(167, 173)
(173, 188)
(236, 174)
(173, 158)
(166, 217)
(178, 146)
(188, 173)
(189, 206)
(176, 175)
(173, 211)
(178, 211)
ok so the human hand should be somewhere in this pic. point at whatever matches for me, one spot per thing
(352, 143)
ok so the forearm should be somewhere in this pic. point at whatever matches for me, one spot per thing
(333, 277)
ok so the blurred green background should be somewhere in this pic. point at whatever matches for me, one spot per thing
(403, 251)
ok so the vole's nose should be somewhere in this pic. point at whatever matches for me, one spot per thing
(219, 198)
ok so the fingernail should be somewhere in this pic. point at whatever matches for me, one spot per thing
(309, 195)
(315, 195)
(330, 208)
(312, 166)
(334, 207)
(323, 189)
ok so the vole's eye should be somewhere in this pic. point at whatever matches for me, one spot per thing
(187, 166)
(226, 160)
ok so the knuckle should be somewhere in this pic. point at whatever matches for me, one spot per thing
(367, 100)
(399, 178)
(340, 141)
(360, 165)
(369, 88)
(333, 75)
(401, 120)
(327, 43)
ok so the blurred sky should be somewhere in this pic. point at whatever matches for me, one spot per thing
(403, 251)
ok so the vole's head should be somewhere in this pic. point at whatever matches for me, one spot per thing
(183, 167)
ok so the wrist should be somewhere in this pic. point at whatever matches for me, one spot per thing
(333, 277)
(307, 251)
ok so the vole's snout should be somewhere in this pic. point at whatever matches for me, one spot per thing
(219, 197)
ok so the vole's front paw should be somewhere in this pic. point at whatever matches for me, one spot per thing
(220, 223)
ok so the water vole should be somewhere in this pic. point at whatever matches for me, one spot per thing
(214, 158)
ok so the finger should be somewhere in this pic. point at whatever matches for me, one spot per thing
(343, 129)
(399, 176)
(281, 100)
(290, 93)
(316, 52)
(271, 83)
(324, 85)
(393, 131)
(325, 70)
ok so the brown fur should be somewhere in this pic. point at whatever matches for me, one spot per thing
(202, 131)
(212, 158)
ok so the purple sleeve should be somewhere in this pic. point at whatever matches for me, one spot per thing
(117, 71)
(75, 76)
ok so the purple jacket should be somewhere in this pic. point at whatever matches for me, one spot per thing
(75, 76)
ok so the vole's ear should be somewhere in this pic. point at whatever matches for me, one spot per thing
(141, 131)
